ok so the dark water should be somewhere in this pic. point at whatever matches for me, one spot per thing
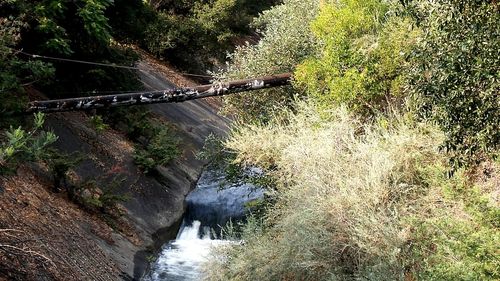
(208, 207)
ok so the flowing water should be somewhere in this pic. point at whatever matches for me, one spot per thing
(209, 206)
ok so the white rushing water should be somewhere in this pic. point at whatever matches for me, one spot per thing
(208, 207)
(182, 258)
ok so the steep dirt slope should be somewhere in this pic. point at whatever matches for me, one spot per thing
(47, 237)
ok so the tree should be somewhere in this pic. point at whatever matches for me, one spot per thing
(286, 40)
(363, 59)
(196, 35)
(456, 75)
(14, 72)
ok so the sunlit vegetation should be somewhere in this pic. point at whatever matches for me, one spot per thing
(385, 165)
(286, 41)
(381, 158)
(194, 35)
(456, 76)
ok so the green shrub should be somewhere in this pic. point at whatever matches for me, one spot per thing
(160, 149)
(133, 121)
(454, 248)
(460, 241)
(364, 54)
(196, 35)
(285, 41)
(102, 197)
(130, 19)
(169, 32)
(59, 164)
(222, 159)
(456, 75)
(23, 146)
(362, 200)
(14, 72)
(98, 124)
(156, 143)
(341, 196)
(68, 29)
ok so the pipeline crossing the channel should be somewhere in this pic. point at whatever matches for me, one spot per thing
(164, 96)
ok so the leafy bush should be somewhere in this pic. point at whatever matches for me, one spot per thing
(156, 143)
(102, 197)
(359, 200)
(72, 30)
(14, 73)
(222, 159)
(59, 164)
(456, 75)
(285, 41)
(133, 121)
(463, 250)
(129, 20)
(196, 35)
(98, 124)
(159, 150)
(460, 242)
(364, 54)
(23, 146)
(331, 220)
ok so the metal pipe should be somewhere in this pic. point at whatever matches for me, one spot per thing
(166, 96)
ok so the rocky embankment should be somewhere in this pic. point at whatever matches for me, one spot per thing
(54, 239)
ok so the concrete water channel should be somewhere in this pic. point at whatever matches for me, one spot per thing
(210, 205)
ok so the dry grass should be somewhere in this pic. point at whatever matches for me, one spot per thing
(347, 191)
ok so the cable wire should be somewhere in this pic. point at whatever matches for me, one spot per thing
(35, 56)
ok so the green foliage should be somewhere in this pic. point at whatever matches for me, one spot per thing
(174, 6)
(363, 58)
(196, 35)
(94, 20)
(170, 32)
(191, 40)
(14, 72)
(215, 16)
(160, 149)
(223, 159)
(463, 250)
(285, 41)
(341, 196)
(461, 242)
(129, 20)
(23, 146)
(134, 121)
(60, 26)
(69, 29)
(214, 151)
(456, 75)
(64, 23)
(98, 124)
(59, 164)
(102, 197)
(45, 14)
(156, 143)
(357, 200)
(83, 80)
